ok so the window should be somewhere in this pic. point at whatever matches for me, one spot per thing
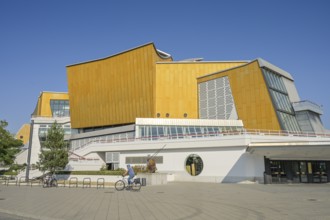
(43, 131)
(194, 164)
(143, 160)
(281, 101)
(60, 108)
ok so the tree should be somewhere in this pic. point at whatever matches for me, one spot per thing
(9, 145)
(54, 154)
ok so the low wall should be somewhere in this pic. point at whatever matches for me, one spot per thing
(154, 178)
(185, 177)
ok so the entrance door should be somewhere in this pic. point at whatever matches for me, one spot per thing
(283, 171)
(299, 172)
(278, 173)
(303, 172)
(318, 171)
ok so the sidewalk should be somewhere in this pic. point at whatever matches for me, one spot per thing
(172, 201)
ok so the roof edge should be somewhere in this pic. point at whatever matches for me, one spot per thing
(198, 62)
(225, 70)
(264, 63)
(160, 53)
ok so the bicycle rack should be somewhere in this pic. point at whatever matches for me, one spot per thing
(60, 182)
(87, 181)
(34, 180)
(20, 180)
(8, 179)
(73, 181)
(100, 182)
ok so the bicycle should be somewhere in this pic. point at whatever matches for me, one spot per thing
(49, 181)
(123, 184)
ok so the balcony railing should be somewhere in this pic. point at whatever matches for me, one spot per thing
(206, 135)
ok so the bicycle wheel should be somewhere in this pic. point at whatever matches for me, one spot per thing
(136, 186)
(54, 183)
(120, 185)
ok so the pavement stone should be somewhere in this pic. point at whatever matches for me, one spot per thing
(184, 200)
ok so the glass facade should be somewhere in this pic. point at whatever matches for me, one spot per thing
(281, 101)
(60, 108)
(300, 171)
(175, 131)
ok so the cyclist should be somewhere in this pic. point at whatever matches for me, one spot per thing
(130, 173)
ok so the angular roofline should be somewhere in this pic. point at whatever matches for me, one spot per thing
(197, 62)
(235, 67)
(160, 53)
(261, 63)
(264, 63)
(39, 97)
(53, 92)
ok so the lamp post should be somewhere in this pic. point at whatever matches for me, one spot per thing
(29, 151)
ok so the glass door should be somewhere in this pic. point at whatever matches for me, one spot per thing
(319, 172)
(278, 171)
(296, 172)
(303, 171)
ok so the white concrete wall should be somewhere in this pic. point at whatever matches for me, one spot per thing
(35, 143)
(36, 148)
(21, 157)
(92, 162)
(230, 164)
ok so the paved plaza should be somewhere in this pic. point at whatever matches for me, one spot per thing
(171, 201)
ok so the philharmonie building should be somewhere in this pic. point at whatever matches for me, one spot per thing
(204, 121)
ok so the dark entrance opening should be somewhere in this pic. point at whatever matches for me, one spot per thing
(295, 171)
(112, 166)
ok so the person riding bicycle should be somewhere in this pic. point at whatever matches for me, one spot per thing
(130, 173)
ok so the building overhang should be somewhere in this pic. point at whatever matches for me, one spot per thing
(307, 106)
(292, 150)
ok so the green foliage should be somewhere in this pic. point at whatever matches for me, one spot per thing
(54, 154)
(8, 173)
(103, 168)
(17, 167)
(9, 146)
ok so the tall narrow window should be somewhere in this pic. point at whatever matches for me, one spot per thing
(281, 101)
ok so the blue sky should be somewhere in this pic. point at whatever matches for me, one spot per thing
(38, 39)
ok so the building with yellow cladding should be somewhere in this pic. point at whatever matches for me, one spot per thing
(220, 121)
(139, 83)
(50, 107)
(146, 83)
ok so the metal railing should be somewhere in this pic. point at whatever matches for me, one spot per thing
(242, 132)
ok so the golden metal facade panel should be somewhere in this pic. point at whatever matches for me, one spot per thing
(43, 105)
(114, 90)
(176, 86)
(252, 100)
(23, 133)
